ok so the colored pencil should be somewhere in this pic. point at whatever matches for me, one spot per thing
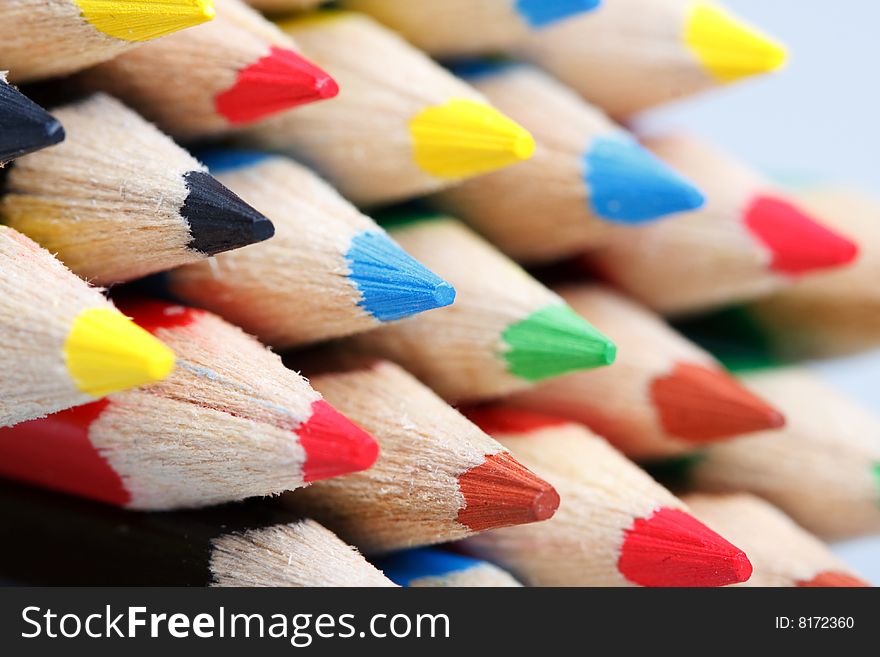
(663, 396)
(231, 422)
(238, 69)
(25, 127)
(615, 525)
(838, 312)
(586, 177)
(426, 567)
(438, 477)
(53, 539)
(631, 55)
(404, 126)
(329, 271)
(61, 342)
(747, 241)
(822, 469)
(119, 200)
(452, 28)
(40, 39)
(505, 331)
(282, 6)
(782, 554)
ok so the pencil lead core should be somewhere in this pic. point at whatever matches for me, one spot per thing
(106, 352)
(672, 548)
(630, 185)
(464, 138)
(281, 80)
(728, 48)
(552, 341)
(143, 20)
(392, 283)
(218, 219)
(502, 492)
(701, 404)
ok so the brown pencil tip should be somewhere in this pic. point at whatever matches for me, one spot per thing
(830, 578)
(501, 492)
(701, 404)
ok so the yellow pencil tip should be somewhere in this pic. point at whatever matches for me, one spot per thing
(728, 48)
(464, 138)
(107, 352)
(142, 20)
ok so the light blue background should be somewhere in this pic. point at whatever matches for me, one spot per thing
(819, 116)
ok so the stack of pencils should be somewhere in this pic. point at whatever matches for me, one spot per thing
(352, 195)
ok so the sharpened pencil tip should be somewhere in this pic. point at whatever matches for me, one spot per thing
(798, 244)
(144, 20)
(728, 48)
(543, 13)
(218, 219)
(26, 127)
(502, 492)
(702, 404)
(334, 445)
(672, 548)
(630, 185)
(393, 284)
(106, 352)
(553, 341)
(829, 578)
(464, 138)
(281, 80)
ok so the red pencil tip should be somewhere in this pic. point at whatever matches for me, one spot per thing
(501, 492)
(699, 404)
(672, 548)
(334, 445)
(499, 419)
(830, 578)
(797, 242)
(279, 81)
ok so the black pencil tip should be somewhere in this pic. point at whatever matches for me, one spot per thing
(25, 127)
(219, 220)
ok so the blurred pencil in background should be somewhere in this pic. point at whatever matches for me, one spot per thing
(822, 468)
(403, 126)
(40, 39)
(118, 199)
(631, 55)
(329, 271)
(748, 240)
(663, 396)
(61, 342)
(213, 432)
(437, 478)
(25, 127)
(782, 554)
(586, 176)
(238, 69)
(63, 541)
(281, 6)
(615, 526)
(452, 28)
(838, 312)
(505, 331)
(432, 568)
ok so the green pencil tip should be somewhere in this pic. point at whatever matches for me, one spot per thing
(876, 469)
(553, 341)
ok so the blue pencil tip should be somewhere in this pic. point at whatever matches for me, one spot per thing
(219, 160)
(541, 13)
(408, 566)
(393, 284)
(630, 185)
